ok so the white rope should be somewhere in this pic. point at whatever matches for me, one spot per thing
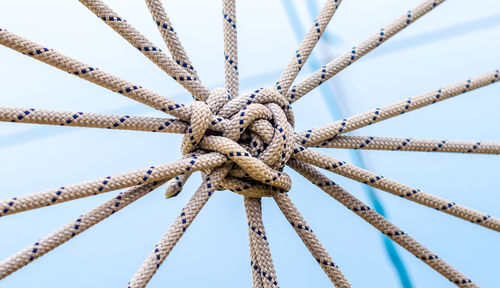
(153, 52)
(177, 229)
(92, 120)
(230, 46)
(382, 224)
(110, 183)
(349, 57)
(326, 133)
(306, 46)
(411, 144)
(398, 189)
(72, 229)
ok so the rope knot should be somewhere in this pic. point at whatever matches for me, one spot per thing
(254, 130)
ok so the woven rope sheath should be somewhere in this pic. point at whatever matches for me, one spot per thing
(240, 142)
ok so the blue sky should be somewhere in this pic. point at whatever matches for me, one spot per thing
(455, 41)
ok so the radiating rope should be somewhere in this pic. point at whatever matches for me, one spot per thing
(306, 46)
(349, 57)
(92, 120)
(75, 227)
(382, 224)
(110, 183)
(177, 229)
(92, 74)
(312, 243)
(332, 103)
(326, 133)
(230, 46)
(260, 253)
(251, 136)
(153, 52)
(411, 144)
(398, 189)
(170, 36)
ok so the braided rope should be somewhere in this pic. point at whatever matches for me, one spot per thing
(349, 57)
(93, 120)
(312, 243)
(378, 221)
(122, 27)
(170, 36)
(326, 133)
(306, 46)
(177, 229)
(92, 74)
(230, 46)
(398, 189)
(260, 254)
(110, 183)
(411, 144)
(75, 227)
(240, 142)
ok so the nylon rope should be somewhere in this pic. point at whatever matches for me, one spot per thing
(240, 142)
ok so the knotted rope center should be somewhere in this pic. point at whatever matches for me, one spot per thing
(254, 130)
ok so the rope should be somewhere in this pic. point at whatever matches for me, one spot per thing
(349, 57)
(92, 120)
(240, 142)
(70, 230)
(170, 36)
(122, 27)
(332, 103)
(381, 223)
(312, 243)
(263, 272)
(92, 74)
(177, 229)
(110, 183)
(230, 46)
(326, 133)
(398, 189)
(411, 144)
(306, 46)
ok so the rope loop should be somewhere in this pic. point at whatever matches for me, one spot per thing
(257, 137)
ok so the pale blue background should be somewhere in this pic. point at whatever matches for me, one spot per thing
(445, 46)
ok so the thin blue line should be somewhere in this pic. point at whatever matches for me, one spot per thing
(356, 155)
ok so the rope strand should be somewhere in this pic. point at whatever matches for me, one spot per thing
(92, 120)
(70, 230)
(398, 189)
(349, 57)
(326, 133)
(151, 51)
(177, 229)
(411, 144)
(307, 45)
(110, 183)
(312, 243)
(382, 224)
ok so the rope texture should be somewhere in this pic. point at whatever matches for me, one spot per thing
(72, 229)
(322, 135)
(177, 229)
(122, 27)
(230, 46)
(93, 120)
(382, 224)
(312, 243)
(170, 36)
(306, 46)
(241, 142)
(398, 189)
(411, 144)
(263, 272)
(349, 57)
